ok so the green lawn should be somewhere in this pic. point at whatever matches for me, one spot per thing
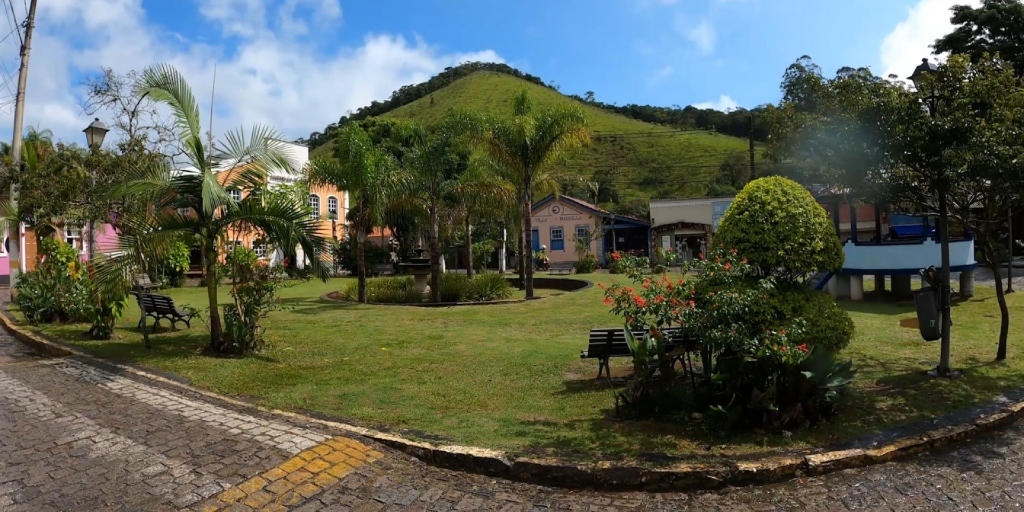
(509, 376)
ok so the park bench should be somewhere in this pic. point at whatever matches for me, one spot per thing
(142, 282)
(561, 267)
(606, 343)
(382, 269)
(161, 307)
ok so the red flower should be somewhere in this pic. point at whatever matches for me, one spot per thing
(640, 301)
(692, 304)
(616, 256)
(728, 265)
(743, 261)
(659, 299)
(608, 301)
(735, 251)
(700, 256)
(803, 348)
(782, 332)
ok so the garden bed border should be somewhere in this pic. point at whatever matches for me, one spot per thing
(602, 475)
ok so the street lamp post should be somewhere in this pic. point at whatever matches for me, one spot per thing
(94, 134)
(926, 87)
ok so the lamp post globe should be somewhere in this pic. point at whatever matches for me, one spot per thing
(924, 86)
(95, 132)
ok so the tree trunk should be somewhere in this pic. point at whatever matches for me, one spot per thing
(521, 259)
(216, 331)
(528, 236)
(360, 260)
(469, 249)
(435, 256)
(991, 251)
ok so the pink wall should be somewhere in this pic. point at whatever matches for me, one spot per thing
(106, 239)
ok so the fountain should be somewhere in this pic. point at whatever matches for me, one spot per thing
(419, 267)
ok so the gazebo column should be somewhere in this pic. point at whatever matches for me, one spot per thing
(967, 283)
(853, 222)
(857, 288)
(879, 278)
(901, 287)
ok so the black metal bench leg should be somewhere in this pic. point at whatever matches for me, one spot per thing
(602, 366)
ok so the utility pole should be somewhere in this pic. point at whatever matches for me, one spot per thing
(17, 265)
(753, 169)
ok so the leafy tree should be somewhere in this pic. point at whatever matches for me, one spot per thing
(778, 226)
(994, 27)
(370, 175)
(972, 149)
(830, 131)
(524, 145)
(250, 156)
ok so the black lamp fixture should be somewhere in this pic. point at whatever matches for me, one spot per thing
(926, 86)
(95, 132)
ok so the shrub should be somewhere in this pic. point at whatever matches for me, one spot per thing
(778, 226)
(454, 287)
(489, 286)
(620, 263)
(827, 325)
(58, 290)
(254, 288)
(756, 371)
(482, 254)
(586, 265)
(385, 290)
(172, 269)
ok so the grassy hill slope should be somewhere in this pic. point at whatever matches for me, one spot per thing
(637, 159)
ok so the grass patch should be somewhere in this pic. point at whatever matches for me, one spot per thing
(509, 376)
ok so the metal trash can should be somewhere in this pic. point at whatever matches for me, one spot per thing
(929, 318)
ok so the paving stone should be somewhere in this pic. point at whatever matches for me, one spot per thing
(76, 437)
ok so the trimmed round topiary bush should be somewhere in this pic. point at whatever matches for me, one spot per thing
(828, 326)
(778, 226)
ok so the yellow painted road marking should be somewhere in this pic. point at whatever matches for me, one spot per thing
(298, 478)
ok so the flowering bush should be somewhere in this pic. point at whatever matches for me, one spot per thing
(58, 289)
(626, 263)
(752, 369)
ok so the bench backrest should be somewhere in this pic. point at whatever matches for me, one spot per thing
(143, 279)
(563, 264)
(612, 341)
(156, 303)
(382, 266)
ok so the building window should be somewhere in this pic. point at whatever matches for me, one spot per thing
(184, 210)
(234, 244)
(259, 248)
(236, 194)
(73, 236)
(557, 239)
(314, 206)
(332, 207)
(582, 232)
(5, 248)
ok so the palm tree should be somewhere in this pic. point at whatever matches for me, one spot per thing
(370, 175)
(196, 204)
(481, 191)
(525, 146)
(436, 167)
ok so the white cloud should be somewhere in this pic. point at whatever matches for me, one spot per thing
(661, 74)
(723, 103)
(911, 39)
(702, 35)
(272, 73)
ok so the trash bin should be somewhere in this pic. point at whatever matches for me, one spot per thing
(929, 318)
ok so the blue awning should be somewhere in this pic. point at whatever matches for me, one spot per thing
(910, 231)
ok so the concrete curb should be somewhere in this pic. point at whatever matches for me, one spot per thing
(604, 475)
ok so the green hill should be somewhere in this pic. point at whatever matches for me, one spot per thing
(631, 159)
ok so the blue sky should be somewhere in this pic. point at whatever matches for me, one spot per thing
(300, 64)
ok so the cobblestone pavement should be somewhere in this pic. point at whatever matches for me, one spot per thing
(77, 437)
